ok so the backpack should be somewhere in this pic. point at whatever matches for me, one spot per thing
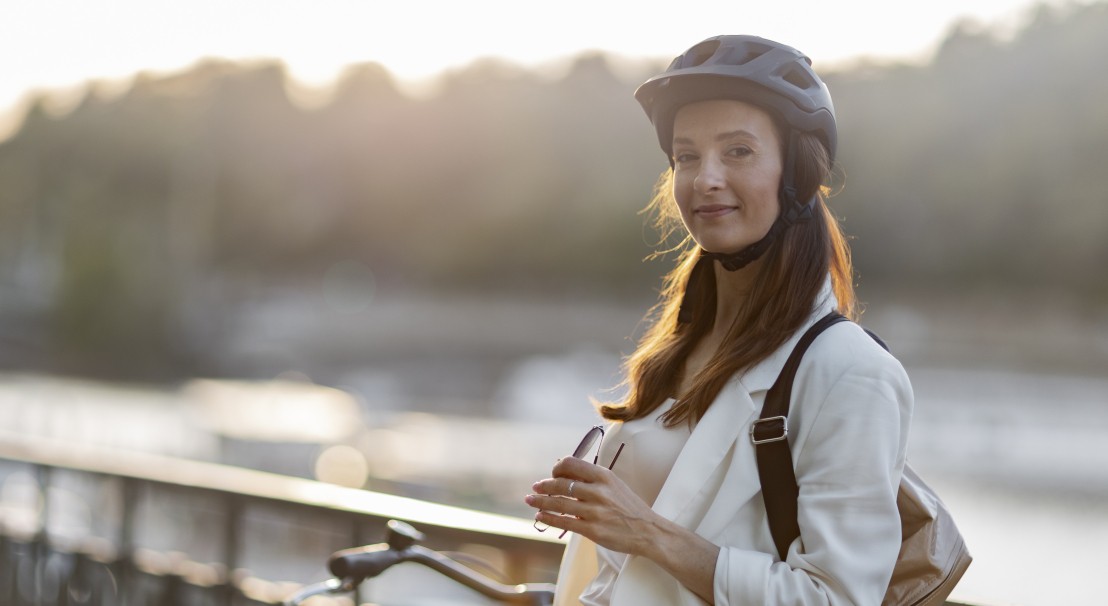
(933, 555)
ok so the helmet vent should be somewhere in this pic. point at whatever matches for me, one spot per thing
(799, 78)
(700, 53)
(750, 52)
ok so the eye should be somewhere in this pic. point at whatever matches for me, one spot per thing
(683, 157)
(740, 151)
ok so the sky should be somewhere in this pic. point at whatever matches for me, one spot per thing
(58, 45)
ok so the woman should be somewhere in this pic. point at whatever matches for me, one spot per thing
(750, 133)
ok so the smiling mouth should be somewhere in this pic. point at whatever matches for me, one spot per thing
(714, 210)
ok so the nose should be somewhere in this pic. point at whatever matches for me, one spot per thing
(709, 177)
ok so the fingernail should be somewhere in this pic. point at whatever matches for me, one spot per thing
(529, 499)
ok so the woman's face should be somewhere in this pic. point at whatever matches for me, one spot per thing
(726, 173)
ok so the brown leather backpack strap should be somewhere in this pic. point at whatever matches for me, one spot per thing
(770, 433)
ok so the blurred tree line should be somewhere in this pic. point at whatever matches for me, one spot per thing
(126, 222)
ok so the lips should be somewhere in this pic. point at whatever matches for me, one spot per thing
(710, 211)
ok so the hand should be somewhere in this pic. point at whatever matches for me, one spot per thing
(605, 510)
(601, 507)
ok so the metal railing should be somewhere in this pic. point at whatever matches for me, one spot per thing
(102, 528)
(79, 526)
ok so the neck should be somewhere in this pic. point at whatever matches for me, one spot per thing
(732, 290)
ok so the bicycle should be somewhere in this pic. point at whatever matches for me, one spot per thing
(353, 566)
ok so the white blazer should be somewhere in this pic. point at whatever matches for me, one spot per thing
(848, 432)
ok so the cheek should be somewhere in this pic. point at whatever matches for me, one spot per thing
(682, 193)
(771, 205)
(768, 198)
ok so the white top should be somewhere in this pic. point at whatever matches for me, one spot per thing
(650, 450)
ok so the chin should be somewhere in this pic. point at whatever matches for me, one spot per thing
(727, 243)
(723, 249)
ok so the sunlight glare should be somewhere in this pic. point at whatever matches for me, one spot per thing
(418, 40)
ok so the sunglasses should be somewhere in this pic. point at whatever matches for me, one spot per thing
(595, 436)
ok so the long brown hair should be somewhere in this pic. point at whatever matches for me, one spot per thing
(790, 276)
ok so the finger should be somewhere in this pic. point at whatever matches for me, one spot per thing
(577, 469)
(550, 486)
(559, 505)
(566, 487)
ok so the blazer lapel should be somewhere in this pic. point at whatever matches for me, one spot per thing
(706, 448)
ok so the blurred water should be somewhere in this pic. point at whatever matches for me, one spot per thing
(1022, 461)
(1020, 458)
(1030, 548)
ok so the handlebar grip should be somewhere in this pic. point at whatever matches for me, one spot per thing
(363, 562)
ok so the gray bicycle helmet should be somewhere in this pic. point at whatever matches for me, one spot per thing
(770, 75)
(762, 72)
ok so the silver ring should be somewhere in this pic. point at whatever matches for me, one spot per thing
(571, 483)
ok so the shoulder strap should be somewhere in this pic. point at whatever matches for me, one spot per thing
(770, 436)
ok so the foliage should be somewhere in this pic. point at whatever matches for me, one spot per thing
(986, 165)
(983, 166)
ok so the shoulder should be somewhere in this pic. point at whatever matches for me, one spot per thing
(849, 391)
(846, 365)
(847, 348)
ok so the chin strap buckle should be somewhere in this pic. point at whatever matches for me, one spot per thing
(796, 212)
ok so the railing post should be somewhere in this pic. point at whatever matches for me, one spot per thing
(232, 538)
(360, 536)
(41, 549)
(124, 560)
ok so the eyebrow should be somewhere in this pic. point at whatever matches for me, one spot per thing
(722, 136)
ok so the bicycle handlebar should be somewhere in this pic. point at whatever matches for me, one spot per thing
(352, 566)
(329, 586)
